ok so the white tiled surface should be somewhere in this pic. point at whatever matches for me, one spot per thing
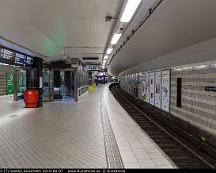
(70, 135)
(59, 135)
(136, 147)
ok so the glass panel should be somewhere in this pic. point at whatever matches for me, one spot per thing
(21, 84)
(46, 86)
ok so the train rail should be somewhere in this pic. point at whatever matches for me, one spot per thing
(180, 151)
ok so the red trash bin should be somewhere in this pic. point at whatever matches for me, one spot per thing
(31, 98)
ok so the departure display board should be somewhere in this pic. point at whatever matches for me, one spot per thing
(14, 58)
(29, 60)
(6, 56)
(20, 59)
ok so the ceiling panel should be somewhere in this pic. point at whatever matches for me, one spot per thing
(47, 26)
(176, 24)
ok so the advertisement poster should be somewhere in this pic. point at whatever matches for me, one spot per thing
(152, 88)
(141, 85)
(10, 87)
(147, 88)
(130, 87)
(158, 89)
(166, 90)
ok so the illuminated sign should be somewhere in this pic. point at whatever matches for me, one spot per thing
(20, 59)
(7, 54)
(92, 67)
(14, 58)
(29, 60)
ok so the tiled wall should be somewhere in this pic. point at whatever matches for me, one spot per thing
(2, 84)
(198, 105)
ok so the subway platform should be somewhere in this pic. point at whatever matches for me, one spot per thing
(96, 132)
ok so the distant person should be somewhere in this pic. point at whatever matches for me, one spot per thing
(96, 82)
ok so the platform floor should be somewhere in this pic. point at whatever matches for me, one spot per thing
(96, 132)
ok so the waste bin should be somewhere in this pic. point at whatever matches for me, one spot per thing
(91, 88)
(31, 98)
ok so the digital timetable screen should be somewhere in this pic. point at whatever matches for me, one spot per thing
(7, 54)
(14, 58)
(29, 60)
(20, 59)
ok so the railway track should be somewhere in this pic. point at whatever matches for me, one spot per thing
(178, 149)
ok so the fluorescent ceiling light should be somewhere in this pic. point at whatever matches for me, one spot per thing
(129, 10)
(3, 64)
(104, 61)
(109, 51)
(116, 38)
(105, 57)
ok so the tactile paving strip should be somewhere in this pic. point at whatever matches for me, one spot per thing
(113, 156)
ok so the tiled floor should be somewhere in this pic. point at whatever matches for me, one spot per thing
(71, 135)
(59, 135)
(136, 147)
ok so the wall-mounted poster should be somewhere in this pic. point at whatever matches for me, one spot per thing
(141, 86)
(130, 86)
(147, 88)
(152, 88)
(158, 89)
(166, 90)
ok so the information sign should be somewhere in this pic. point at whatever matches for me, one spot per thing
(10, 81)
(20, 59)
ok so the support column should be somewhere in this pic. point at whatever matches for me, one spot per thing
(76, 87)
(34, 79)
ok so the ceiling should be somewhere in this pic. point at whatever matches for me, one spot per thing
(58, 28)
(54, 29)
(176, 24)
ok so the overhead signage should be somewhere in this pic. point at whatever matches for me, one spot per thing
(20, 59)
(6, 54)
(14, 58)
(92, 67)
(29, 60)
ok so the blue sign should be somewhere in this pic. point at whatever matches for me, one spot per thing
(7, 54)
(14, 58)
(20, 59)
(29, 60)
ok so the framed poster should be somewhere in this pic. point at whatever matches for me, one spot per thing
(166, 90)
(152, 89)
(141, 86)
(158, 89)
(147, 88)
